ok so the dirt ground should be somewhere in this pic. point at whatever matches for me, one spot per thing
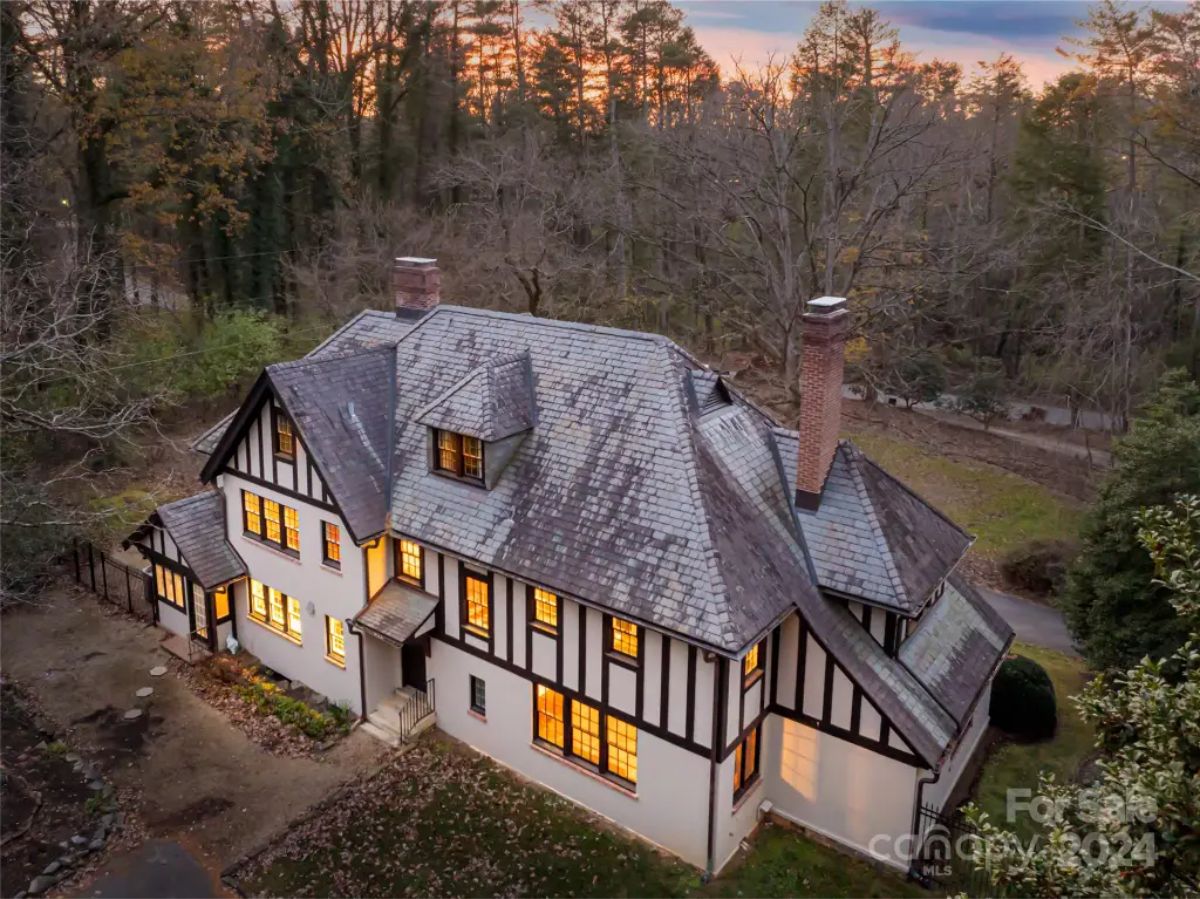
(196, 778)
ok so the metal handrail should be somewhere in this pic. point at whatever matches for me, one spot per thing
(419, 707)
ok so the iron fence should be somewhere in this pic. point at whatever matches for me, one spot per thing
(114, 581)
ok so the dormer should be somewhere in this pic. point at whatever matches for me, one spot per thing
(477, 425)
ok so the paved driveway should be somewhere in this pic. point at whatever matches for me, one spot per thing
(1034, 623)
(202, 782)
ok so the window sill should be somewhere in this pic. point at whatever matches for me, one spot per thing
(289, 458)
(747, 792)
(409, 582)
(543, 628)
(476, 631)
(332, 569)
(479, 716)
(621, 659)
(753, 678)
(558, 756)
(276, 631)
(335, 661)
(273, 548)
(167, 602)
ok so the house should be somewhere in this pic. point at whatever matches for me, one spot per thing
(601, 565)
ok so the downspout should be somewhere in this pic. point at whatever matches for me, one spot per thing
(720, 689)
(922, 783)
(362, 675)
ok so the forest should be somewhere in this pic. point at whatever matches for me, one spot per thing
(193, 190)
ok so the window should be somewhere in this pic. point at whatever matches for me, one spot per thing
(478, 695)
(170, 586)
(622, 749)
(624, 637)
(458, 454)
(585, 731)
(285, 440)
(476, 590)
(221, 604)
(276, 610)
(545, 610)
(410, 562)
(251, 514)
(267, 520)
(752, 665)
(550, 716)
(745, 763)
(335, 641)
(333, 545)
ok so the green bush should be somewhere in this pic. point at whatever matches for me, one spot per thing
(1038, 566)
(1023, 700)
(267, 699)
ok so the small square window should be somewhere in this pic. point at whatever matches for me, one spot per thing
(478, 695)
(410, 561)
(285, 439)
(624, 637)
(545, 610)
(752, 664)
(333, 545)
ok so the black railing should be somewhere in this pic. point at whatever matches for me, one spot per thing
(944, 861)
(420, 706)
(114, 581)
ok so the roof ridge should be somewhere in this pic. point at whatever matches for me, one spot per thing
(873, 520)
(304, 361)
(899, 483)
(607, 330)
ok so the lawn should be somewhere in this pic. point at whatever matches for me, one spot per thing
(1018, 764)
(441, 820)
(1002, 509)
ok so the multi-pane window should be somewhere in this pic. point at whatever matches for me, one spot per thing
(550, 715)
(409, 561)
(460, 454)
(476, 589)
(745, 763)
(545, 609)
(622, 749)
(752, 665)
(585, 731)
(478, 695)
(285, 440)
(277, 610)
(624, 637)
(333, 544)
(170, 586)
(271, 522)
(335, 641)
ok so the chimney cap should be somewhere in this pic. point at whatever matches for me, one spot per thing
(415, 260)
(826, 305)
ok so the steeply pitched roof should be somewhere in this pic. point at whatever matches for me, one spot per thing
(396, 612)
(956, 647)
(491, 402)
(871, 537)
(197, 525)
(342, 407)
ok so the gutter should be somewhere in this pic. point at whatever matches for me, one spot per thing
(720, 689)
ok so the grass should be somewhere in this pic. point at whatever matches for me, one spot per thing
(441, 820)
(1002, 509)
(1019, 764)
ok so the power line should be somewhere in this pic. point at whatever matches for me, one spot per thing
(203, 350)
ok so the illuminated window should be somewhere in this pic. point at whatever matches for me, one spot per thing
(333, 545)
(251, 513)
(478, 695)
(277, 618)
(269, 521)
(585, 731)
(745, 763)
(459, 455)
(258, 601)
(622, 749)
(293, 622)
(550, 715)
(335, 641)
(285, 440)
(624, 637)
(291, 528)
(752, 666)
(170, 586)
(410, 561)
(472, 451)
(545, 609)
(221, 604)
(476, 589)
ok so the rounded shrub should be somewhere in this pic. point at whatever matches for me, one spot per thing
(1023, 700)
(1038, 566)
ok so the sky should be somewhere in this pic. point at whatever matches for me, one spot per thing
(962, 31)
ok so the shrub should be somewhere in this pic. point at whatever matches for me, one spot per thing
(1038, 566)
(984, 395)
(1023, 700)
(918, 378)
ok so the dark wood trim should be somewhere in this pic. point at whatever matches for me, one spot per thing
(487, 577)
(559, 637)
(850, 737)
(741, 700)
(320, 504)
(508, 615)
(639, 681)
(581, 615)
(440, 612)
(690, 724)
(856, 709)
(664, 701)
(775, 637)
(827, 697)
(801, 663)
(262, 465)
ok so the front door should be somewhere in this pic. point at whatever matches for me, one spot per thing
(412, 665)
(200, 613)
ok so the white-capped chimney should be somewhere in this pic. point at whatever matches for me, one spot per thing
(417, 283)
(821, 372)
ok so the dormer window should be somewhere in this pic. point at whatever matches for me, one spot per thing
(285, 440)
(459, 455)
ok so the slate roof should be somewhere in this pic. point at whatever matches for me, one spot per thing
(396, 612)
(342, 407)
(871, 537)
(491, 402)
(197, 525)
(956, 646)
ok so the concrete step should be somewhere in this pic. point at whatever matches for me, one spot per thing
(381, 733)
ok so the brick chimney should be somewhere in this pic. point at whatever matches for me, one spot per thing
(821, 367)
(417, 283)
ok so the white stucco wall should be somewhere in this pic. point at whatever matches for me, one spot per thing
(337, 593)
(670, 807)
(935, 794)
(839, 789)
